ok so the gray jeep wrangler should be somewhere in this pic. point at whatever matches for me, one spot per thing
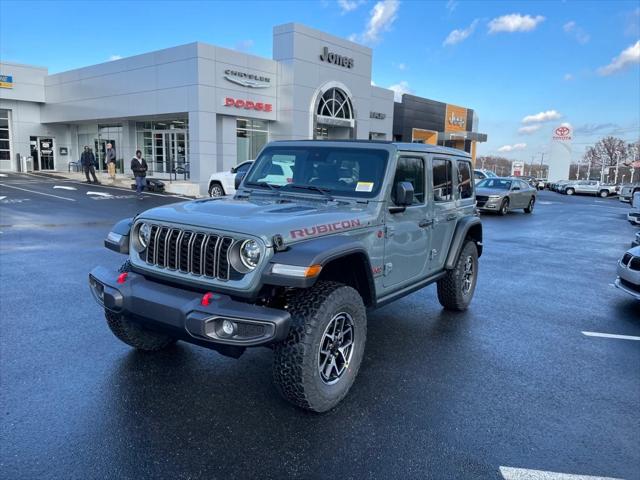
(318, 233)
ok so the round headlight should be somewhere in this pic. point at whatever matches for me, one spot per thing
(250, 253)
(144, 232)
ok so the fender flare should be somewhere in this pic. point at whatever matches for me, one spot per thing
(457, 242)
(319, 251)
(118, 238)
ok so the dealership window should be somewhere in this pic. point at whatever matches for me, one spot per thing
(465, 185)
(251, 136)
(442, 181)
(5, 140)
(164, 144)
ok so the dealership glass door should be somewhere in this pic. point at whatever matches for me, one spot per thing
(170, 150)
(42, 153)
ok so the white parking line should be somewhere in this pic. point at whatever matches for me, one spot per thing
(510, 473)
(64, 187)
(610, 335)
(99, 194)
(38, 193)
(2, 198)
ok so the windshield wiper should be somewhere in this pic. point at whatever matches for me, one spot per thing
(323, 191)
(262, 184)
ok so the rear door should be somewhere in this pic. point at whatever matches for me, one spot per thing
(443, 210)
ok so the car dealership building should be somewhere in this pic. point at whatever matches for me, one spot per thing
(198, 108)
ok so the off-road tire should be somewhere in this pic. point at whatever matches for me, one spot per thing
(504, 207)
(136, 335)
(133, 334)
(295, 365)
(450, 287)
(569, 191)
(216, 190)
(532, 204)
(604, 193)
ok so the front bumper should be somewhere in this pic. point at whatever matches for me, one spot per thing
(180, 312)
(634, 217)
(628, 287)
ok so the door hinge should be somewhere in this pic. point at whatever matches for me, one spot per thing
(387, 268)
(433, 253)
(388, 231)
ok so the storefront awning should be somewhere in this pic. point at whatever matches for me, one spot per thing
(473, 136)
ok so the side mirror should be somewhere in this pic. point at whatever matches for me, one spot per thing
(238, 180)
(515, 188)
(233, 170)
(404, 194)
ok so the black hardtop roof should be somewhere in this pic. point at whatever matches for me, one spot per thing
(404, 146)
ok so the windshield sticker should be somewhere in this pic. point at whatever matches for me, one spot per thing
(364, 187)
(327, 228)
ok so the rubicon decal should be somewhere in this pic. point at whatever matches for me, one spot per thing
(248, 104)
(326, 228)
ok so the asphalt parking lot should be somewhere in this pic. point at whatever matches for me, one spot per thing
(509, 387)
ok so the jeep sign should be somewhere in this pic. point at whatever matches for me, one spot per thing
(330, 57)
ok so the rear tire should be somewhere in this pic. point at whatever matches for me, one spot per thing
(604, 193)
(456, 288)
(216, 190)
(532, 203)
(136, 335)
(570, 191)
(301, 362)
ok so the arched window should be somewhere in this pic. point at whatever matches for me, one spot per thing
(335, 103)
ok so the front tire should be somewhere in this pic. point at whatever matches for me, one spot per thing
(504, 207)
(316, 365)
(136, 335)
(570, 191)
(456, 288)
(604, 193)
(216, 190)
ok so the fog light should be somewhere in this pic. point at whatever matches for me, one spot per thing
(228, 327)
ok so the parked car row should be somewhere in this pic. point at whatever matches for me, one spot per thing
(627, 191)
(584, 187)
(628, 270)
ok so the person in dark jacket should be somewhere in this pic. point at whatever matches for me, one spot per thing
(139, 168)
(88, 161)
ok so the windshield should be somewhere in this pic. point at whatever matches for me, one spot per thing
(495, 183)
(354, 172)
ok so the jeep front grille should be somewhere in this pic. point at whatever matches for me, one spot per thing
(189, 252)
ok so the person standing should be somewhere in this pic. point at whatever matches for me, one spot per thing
(110, 158)
(88, 160)
(139, 168)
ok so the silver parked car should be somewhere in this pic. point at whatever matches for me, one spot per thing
(504, 194)
(629, 273)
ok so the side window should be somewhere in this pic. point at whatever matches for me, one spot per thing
(411, 169)
(442, 181)
(244, 168)
(465, 185)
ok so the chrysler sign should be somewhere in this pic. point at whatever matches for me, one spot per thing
(247, 79)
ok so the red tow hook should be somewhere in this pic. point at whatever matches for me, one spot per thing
(206, 299)
(122, 277)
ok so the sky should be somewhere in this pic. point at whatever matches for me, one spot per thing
(524, 67)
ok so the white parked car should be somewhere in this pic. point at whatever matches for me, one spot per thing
(479, 175)
(592, 187)
(223, 183)
(634, 215)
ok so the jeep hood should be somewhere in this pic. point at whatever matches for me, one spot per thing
(293, 220)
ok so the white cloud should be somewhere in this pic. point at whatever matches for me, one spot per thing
(512, 148)
(381, 17)
(568, 77)
(572, 28)
(373, 84)
(628, 57)
(347, 6)
(460, 35)
(542, 117)
(451, 5)
(399, 89)
(529, 129)
(115, 57)
(244, 45)
(514, 22)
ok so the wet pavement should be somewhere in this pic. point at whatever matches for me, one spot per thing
(512, 383)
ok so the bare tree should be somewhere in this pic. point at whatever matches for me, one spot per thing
(608, 152)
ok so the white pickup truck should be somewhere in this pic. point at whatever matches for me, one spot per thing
(591, 187)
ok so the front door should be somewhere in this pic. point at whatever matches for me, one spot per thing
(169, 150)
(444, 211)
(407, 238)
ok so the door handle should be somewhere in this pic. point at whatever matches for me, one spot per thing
(425, 223)
(452, 216)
